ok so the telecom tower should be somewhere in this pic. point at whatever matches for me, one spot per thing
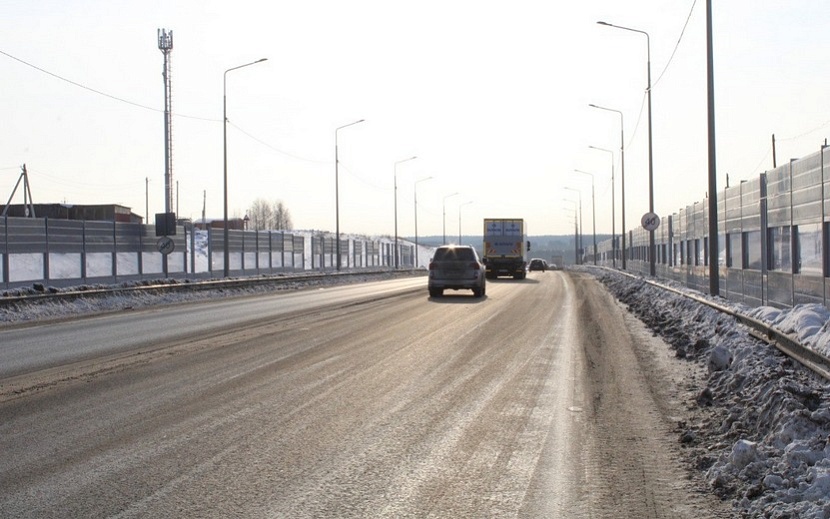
(166, 46)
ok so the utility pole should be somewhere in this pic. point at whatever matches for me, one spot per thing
(774, 162)
(28, 204)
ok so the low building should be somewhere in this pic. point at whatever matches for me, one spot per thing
(104, 212)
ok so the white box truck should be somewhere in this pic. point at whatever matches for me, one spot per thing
(505, 248)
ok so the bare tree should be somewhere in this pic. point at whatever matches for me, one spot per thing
(264, 215)
(260, 215)
(282, 217)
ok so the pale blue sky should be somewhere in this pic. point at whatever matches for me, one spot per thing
(491, 96)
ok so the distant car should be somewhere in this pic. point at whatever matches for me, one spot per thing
(538, 264)
(456, 267)
(554, 266)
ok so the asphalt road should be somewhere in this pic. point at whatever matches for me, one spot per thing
(543, 399)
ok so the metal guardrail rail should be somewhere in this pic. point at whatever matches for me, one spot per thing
(182, 286)
(758, 329)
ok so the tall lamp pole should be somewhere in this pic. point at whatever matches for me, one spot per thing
(337, 190)
(576, 232)
(593, 211)
(622, 180)
(651, 251)
(396, 206)
(581, 228)
(459, 219)
(714, 279)
(226, 239)
(415, 190)
(613, 209)
(444, 208)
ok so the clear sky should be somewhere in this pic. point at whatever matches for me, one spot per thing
(492, 97)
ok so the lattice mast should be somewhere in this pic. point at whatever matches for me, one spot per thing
(165, 39)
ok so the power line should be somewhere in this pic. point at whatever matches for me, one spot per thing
(823, 125)
(676, 46)
(291, 155)
(145, 107)
(110, 96)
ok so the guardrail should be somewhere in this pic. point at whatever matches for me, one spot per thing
(758, 329)
(55, 295)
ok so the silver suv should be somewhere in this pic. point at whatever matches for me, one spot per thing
(456, 267)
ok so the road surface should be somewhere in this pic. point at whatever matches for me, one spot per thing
(542, 399)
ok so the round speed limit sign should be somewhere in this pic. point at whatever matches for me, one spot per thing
(165, 245)
(650, 221)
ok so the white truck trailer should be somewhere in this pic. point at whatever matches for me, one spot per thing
(505, 248)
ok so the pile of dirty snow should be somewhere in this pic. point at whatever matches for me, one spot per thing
(763, 421)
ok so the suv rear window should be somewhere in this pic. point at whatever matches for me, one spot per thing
(454, 254)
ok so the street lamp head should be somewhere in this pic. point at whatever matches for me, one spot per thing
(347, 125)
(261, 60)
(604, 23)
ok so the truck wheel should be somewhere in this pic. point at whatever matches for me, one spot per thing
(436, 292)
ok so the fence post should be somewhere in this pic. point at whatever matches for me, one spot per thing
(46, 252)
(142, 228)
(6, 252)
(83, 250)
(210, 249)
(114, 251)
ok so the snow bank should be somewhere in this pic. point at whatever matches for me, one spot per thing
(763, 434)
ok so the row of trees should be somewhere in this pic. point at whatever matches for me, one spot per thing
(264, 215)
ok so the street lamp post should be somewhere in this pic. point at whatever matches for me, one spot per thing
(714, 280)
(337, 190)
(576, 232)
(593, 212)
(581, 228)
(651, 251)
(415, 190)
(622, 181)
(459, 219)
(396, 206)
(613, 209)
(226, 238)
(444, 208)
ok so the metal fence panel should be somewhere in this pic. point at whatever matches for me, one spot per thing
(26, 235)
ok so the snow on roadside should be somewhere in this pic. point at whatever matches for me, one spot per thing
(762, 439)
(131, 299)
